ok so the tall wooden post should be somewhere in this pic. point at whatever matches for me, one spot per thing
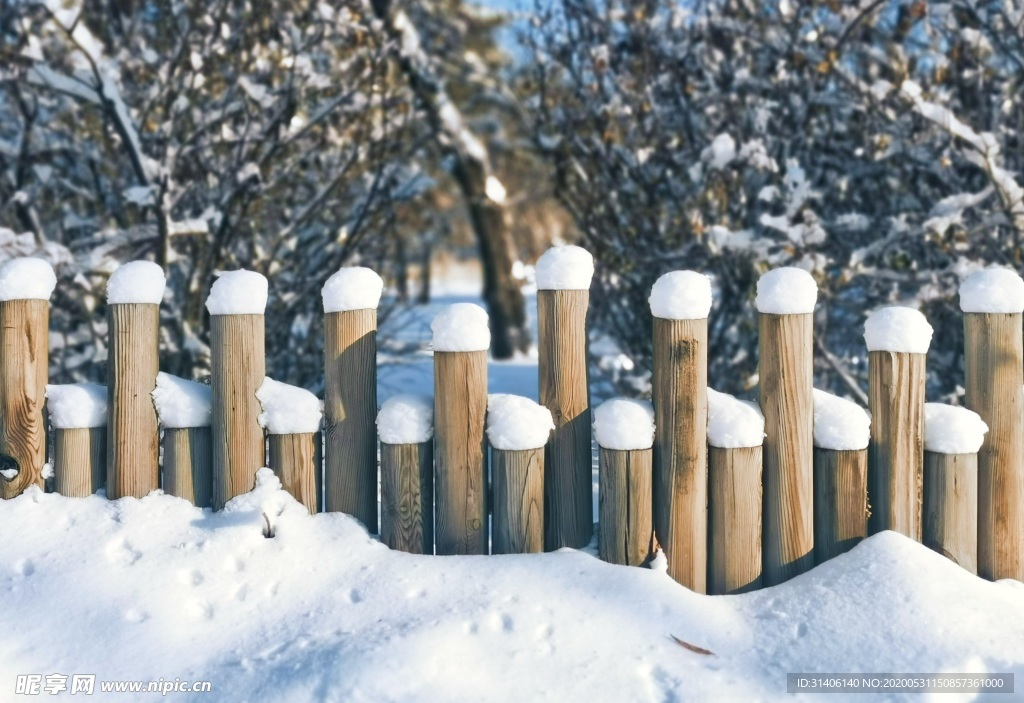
(563, 297)
(992, 301)
(25, 288)
(184, 409)
(236, 304)
(461, 339)
(785, 300)
(897, 341)
(292, 417)
(680, 304)
(405, 425)
(78, 414)
(350, 300)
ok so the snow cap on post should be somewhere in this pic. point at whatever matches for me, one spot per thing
(26, 278)
(352, 288)
(897, 329)
(77, 405)
(288, 409)
(565, 268)
(516, 423)
(136, 282)
(786, 291)
(992, 290)
(462, 327)
(238, 293)
(733, 423)
(681, 295)
(407, 418)
(181, 403)
(624, 424)
(952, 430)
(839, 424)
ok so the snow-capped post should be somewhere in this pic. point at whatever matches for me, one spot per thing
(350, 299)
(625, 435)
(992, 301)
(897, 340)
(461, 340)
(78, 414)
(517, 429)
(842, 431)
(680, 303)
(134, 292)
(563, 296)
(952, 438)
(291, 416)
(237, 303)
(785, 301)
(735, 437)
(185, 412)
(25, 288)
(405, 425)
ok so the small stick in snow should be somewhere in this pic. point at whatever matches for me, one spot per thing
(692, 647)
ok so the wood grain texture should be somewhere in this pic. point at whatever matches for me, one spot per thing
(680, 396)
(238, 368)
(565, 390)
(840, 501)
(79, 460)
(133, 432)
(951, 507)
(407, 496)
(188, 464)
(786, 368)
(518, 518)
(24, 370)
(994, 366)
(734, 511)
(896, 452)
(350, 414)
(626, 526)
(295, 459)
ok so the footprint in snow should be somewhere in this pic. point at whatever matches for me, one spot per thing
(354, 596)
(24, 568)
(190, 577)
(120, 551)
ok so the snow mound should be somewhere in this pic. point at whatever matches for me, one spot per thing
(77, 405)
(407, 418)
(992, 290)
(136, 282)
(681, 295)
(461, 327)
(352, 288)
(897, 329)
(26, 278)
(238, 293)
(565, 268)
(952, 430)
(182, 403)
(624, 424)
(515, 422)
(786, 291)
(288, 409)
(839, 423)
(733, 423)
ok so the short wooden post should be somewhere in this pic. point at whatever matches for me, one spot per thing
(735, 435)
(185, 412)
(405, 425)
(680, 304)
(461, 339)
(236, 305)
(897, 341)
(563, 297)
(350, 299)
(842, 431)
(292, 417)
(992, 301)
(78, 413)
(785, 300)
(25, 288)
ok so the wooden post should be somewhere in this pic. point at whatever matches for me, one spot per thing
(188, 459)
(79, 460)
(951, 507)
(236, 305)
(840, 501)
(563, 297)
(350, 300)
(680, 303)
(734, 510)
(24, 369)
(295, 458)
(518, 500)
(407, 496)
